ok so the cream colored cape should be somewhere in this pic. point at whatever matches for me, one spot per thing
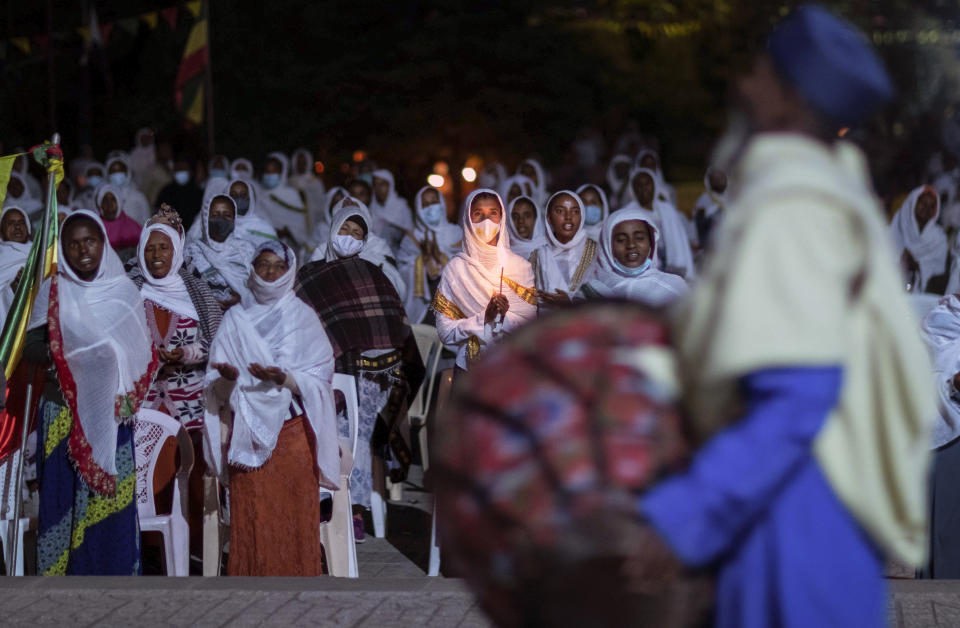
(783, 291)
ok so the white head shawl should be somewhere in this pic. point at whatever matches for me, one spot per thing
(593, 231)
(95, 165)
(169, 292)
(275, 328)
(393, 210)
(230, 259)
(447, 234)
(284, 165)
(675, 239)
(340, 216)
(941, 330)
(142, 157)
(929, 247)
(540, 185)
(615, 183)
(226, 166)
(13, 255)
(293, 162)
(551, 274)
(108, 188)
(123, 158)
(251, 224)
(521, 181)
(105, 360)
(239, 173)
(492, 180)
(653, 287)
(523, 246)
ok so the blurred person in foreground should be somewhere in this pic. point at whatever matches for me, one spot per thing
(806, 378)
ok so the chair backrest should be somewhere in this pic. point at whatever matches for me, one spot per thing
(347, 384)
(8, 495)
(428, 342)
(151, 431)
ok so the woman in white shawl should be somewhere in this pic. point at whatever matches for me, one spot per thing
(674, 253)
(270, 383)
(96, 333)
(596, 208)
(919, 240)
(134, 203)
(321, 226)
(283, 205)
(391, 214)
(486, 291)
(375, 249)
(304, 179)
(708, 209)
(941, 330)
(650, 159)
(19, 195)
(143, 155)
(526, 225)
(515, 186)
(626, 265)
(15, 242)
(618, 178)
(532, 169)
(560, 266)
(249, 224)
(425, 251)
(219, 256)
(94, 173)
(21, 167)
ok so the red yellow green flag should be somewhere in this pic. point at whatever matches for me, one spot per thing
(189, 87)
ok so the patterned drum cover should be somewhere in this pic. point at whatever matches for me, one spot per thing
(546, 444)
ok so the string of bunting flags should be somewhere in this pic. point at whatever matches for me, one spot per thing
(100, 33)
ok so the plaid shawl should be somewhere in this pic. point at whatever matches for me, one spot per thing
(361, 311)
(207, 306)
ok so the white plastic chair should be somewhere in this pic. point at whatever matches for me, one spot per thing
(336, 535)
(428, 342)
(8, 497)
(152, 429)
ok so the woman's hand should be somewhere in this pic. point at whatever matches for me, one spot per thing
(171, 357)
(908, 262)
(229, 303)
(498, 305)
(267, 373)
(227, 371)
(554, 298)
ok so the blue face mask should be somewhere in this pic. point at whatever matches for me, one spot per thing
(118, 178)
(632, 272)
(594, 214)
(181, 177)
(433, 214)
(94, 181)
(217, 173)
(271, 180)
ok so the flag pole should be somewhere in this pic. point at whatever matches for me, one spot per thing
(208, 86)
(14, 544)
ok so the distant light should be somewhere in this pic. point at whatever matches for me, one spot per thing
(318, 167)
(359, 155)
(843, 132)
(441, 168)
(436, 180)
(469, 174)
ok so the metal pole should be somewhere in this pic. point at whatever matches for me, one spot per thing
(14, 545)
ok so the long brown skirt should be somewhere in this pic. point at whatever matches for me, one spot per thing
(275, 511)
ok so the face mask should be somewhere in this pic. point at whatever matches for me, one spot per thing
(216, 173)
(220, 228)
(94, 181)
(432, 214)
(594, 214)
(486, 229)
(243, 205)
(118, 178)
(632, 272)
(346, 245)
(271, 180)
(181, 177)
(367, 176)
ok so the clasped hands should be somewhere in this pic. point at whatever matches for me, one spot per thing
(273, 374)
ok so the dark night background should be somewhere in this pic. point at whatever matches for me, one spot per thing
(412, 82)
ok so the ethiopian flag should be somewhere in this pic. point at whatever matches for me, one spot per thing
(189, 88)
(6, 167)
(41, 264)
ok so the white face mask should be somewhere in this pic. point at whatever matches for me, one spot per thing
(486, 229)
(433, 214)
(346, 245)
(118, 178)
